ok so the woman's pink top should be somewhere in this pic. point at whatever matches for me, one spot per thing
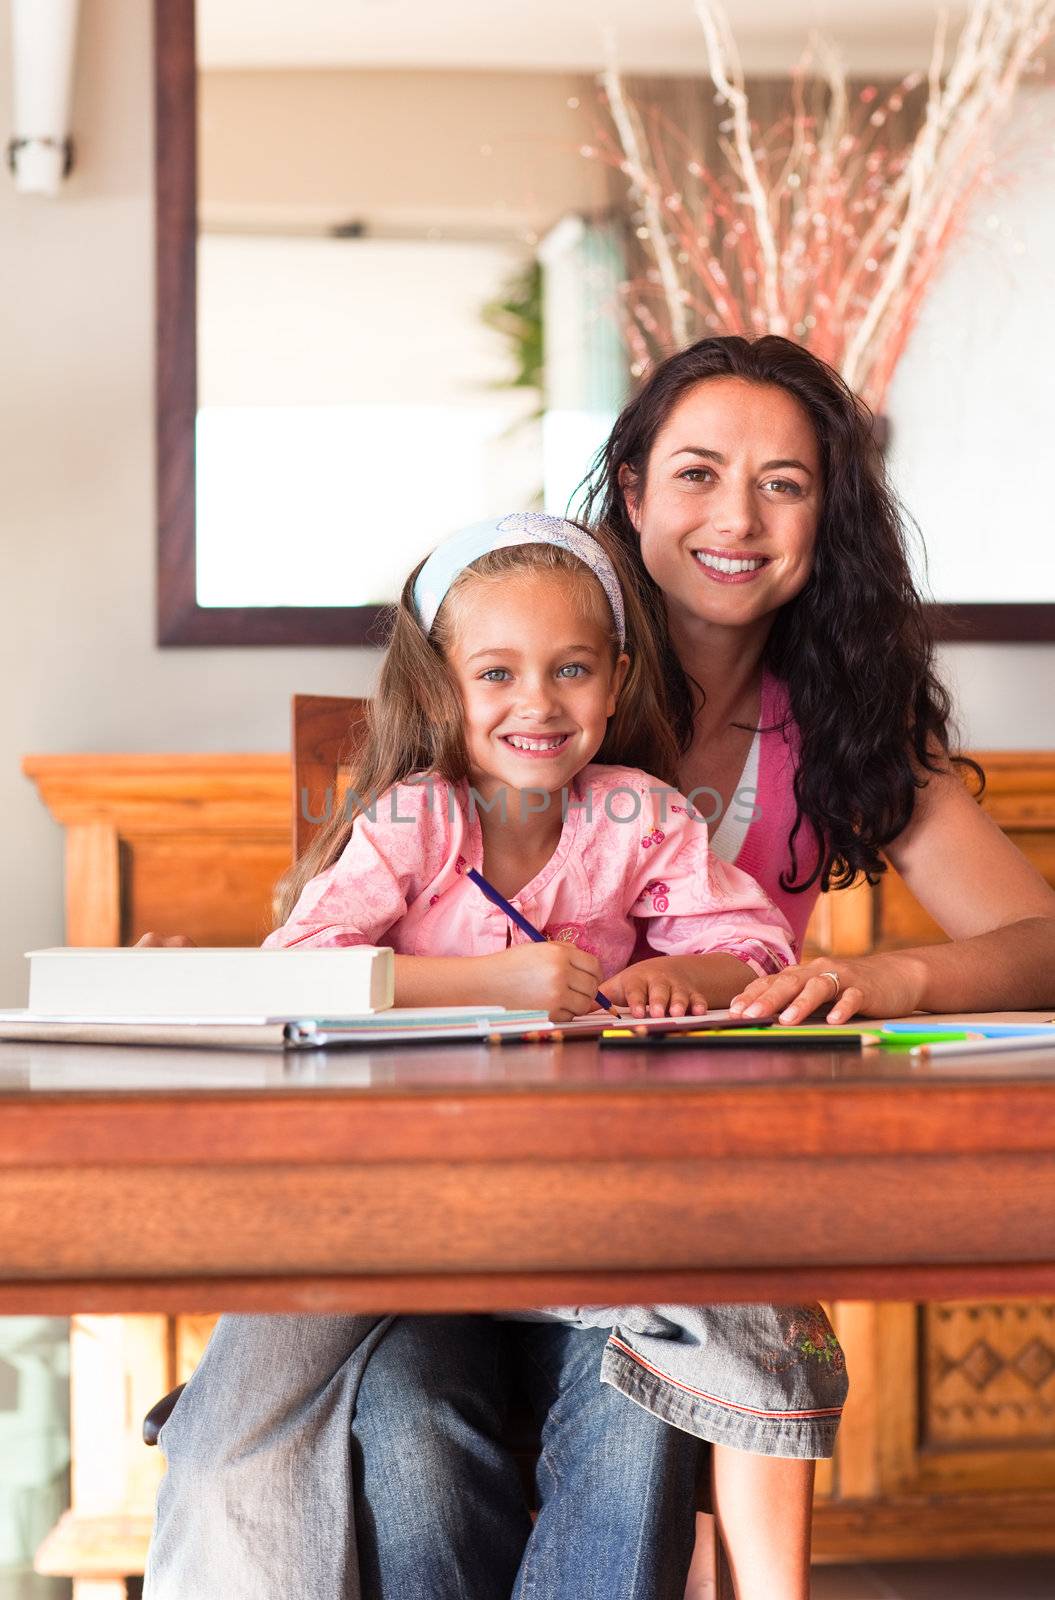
(629, 855)
(764, 853)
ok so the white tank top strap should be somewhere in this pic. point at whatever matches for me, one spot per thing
(727, 840)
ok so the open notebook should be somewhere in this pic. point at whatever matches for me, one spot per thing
(444, 1024)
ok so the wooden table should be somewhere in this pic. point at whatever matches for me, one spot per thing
(154, 1181)
(472, 1177)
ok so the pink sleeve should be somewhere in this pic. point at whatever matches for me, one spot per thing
(693, 903)
(389, 859)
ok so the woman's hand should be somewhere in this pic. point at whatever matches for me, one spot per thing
(663, 986)
(170, 941)
(554, 977)
(885, 985)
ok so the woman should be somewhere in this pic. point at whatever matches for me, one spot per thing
(754, 454)
(745, 479)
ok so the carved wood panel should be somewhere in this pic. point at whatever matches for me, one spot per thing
(988, 1374)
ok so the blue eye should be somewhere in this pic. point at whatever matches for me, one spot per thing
(573, 669)
(495, 675)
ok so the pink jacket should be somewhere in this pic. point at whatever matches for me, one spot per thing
(629, 856)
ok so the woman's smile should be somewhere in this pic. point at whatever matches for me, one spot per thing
(724, 567)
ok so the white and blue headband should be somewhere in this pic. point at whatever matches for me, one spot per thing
(520, 527)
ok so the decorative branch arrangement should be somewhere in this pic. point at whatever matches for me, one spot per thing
(830, 225)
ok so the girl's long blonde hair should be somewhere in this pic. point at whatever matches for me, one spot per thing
(415, 722)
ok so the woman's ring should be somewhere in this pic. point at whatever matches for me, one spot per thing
(834, 976)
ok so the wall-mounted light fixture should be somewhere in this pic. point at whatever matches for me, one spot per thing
(43, 40)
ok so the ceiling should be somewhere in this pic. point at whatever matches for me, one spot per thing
(660, 36)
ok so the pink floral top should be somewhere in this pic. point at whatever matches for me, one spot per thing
(629, 854)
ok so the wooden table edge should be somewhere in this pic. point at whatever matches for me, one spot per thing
(550, 1122)
(468, 1292)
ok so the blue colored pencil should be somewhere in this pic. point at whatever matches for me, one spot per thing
(514, 916)
(986, 1030)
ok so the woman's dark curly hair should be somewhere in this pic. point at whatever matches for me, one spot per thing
(853, 647)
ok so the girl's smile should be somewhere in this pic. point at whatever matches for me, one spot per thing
(531, 745)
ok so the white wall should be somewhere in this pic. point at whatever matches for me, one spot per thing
(79, 668)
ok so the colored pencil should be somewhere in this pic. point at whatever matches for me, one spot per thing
(983, 1047)
(975, 1030)
(908, 1041)
(739, 1039)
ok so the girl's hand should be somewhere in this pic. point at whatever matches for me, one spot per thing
(885, 985)
(664, 986)
(554, 977)
(168, 941)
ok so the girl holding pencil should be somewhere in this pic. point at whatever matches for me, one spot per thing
(518, 731)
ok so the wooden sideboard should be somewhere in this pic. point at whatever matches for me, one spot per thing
(947, 1446)
(189, 844)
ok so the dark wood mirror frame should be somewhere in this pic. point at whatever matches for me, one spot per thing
(181, 621)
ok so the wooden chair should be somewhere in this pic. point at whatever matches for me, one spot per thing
(327, 730)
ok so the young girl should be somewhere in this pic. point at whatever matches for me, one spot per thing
(509, 686)
(519, 728)
(506, 675)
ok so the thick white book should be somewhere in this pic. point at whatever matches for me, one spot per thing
(202, 983)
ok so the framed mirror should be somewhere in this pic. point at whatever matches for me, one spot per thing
(386, 271)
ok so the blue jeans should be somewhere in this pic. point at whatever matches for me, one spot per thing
(256, 1501)
(440, 1511)
(298, 1437)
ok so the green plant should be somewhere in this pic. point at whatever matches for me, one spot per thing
(516, 314)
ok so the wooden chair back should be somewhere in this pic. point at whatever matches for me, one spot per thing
(327, 731)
